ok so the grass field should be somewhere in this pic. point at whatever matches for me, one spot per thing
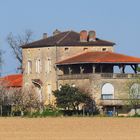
(70, 128)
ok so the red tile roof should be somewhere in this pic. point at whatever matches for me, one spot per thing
(12, 80)
(100, 57)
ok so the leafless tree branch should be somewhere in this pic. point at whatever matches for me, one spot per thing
(15, 43)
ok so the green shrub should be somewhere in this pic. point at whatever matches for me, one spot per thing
(136, 115)
(47, 112)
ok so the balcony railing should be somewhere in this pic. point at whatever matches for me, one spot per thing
(74, 76)
(98, 75)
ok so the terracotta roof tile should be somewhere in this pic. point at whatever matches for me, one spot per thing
(100, 57)
(68, 38)
(12, 80)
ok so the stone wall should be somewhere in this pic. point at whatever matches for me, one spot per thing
(67, 51)
(94, 83)
(54, 54)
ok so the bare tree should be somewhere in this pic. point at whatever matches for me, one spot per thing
(2, 92)
(5, 99)
(15, 43)
(17, 97)
(20, 100)
(134, 94)
(26, 100)
(1, 60)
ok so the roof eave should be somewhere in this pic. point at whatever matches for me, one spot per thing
(40, 46)
(97, 63)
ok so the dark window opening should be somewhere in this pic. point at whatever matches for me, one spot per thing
(103, 49)
(85, 49)
(66, 49)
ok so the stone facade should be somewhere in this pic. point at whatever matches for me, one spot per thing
(41, 68)
(93, 83)
(54, 54)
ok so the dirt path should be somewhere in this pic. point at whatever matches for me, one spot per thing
(69, 129)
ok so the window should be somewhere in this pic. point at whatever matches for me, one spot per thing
(66, 49)
(107, 96)
(103, 49)
(48, 65)
(29, 66)
(85, 49)
(38, 66)
(107, 91)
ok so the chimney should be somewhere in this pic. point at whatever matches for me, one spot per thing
(83, 36)
(44, 35)
(56, 32)
(92, 36)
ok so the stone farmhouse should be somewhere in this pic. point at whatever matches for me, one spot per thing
(81, 60)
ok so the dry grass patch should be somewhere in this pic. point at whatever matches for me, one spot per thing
(70, 128)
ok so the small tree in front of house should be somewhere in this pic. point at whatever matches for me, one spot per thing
(138, 69)
(133, 97)
(32, 101)
(26, 100)
(5, 98)
(17, 101)
(69, 98)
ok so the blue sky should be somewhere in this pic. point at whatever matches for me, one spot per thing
(115, 20)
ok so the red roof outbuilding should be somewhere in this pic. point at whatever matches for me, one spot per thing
(14, 80)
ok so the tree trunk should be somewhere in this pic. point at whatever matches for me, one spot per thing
(135, 110)
(22, 112)
(83, 111)
(11, 113)
(1, 110)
